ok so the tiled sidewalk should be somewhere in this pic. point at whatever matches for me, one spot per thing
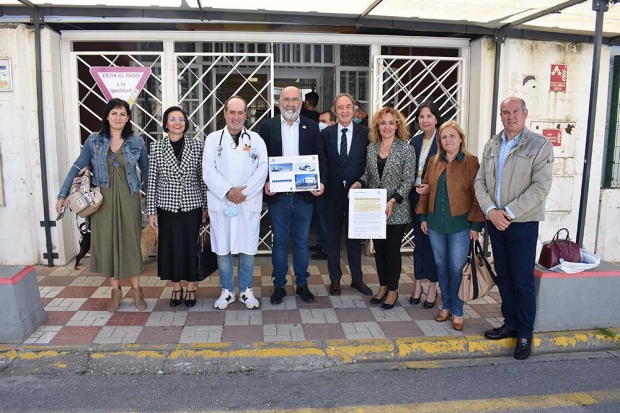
(75, 303)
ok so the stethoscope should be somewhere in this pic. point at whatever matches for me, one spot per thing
(246, 146)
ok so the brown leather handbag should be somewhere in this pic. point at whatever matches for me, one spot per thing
(559, 249)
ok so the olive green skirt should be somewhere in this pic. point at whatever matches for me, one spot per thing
(116, 227)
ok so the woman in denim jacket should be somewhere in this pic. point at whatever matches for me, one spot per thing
(116, 227)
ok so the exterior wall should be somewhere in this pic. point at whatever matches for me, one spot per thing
(22, 238)
(608, 237)
(525, 72)
(481, 99)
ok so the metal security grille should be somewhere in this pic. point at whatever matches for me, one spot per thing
(206, 80)
(203, 83)
(404, 82)
(611, 176)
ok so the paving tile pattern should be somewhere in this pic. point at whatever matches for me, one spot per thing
(75, 302)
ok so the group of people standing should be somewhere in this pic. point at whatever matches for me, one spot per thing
(431, 179)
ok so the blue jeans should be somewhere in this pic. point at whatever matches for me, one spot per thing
(514, 255)
(450, 251)
(245, 271)
(290, 215)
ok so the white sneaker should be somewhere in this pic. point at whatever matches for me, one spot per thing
(247, 297)
(225, 298)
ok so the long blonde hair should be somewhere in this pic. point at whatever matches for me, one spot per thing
(463, 147)
(402, 131)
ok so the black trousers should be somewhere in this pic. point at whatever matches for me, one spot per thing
(423, 259)
(337, 216)
(387, 256)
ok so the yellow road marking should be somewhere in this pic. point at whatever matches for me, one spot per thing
(512, 404)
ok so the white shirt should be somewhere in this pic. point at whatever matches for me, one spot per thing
(290, 138)
(348, 133)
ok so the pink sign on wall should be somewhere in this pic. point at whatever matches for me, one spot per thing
(120, 82)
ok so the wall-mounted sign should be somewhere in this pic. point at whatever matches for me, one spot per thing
(6, 77)
(558, 78)
(124, 83)
(554, 135)
(561, 133)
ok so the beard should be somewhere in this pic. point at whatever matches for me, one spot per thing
(290, 115)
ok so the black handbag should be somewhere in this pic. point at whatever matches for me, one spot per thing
(206, 259)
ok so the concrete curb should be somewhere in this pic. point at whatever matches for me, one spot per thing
(207, 358)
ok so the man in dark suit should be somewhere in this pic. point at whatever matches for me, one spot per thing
(311, 102)
(291, 212)
(345, 149)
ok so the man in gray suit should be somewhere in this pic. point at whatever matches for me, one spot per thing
(345, 150)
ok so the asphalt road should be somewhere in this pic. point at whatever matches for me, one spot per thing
(563, 383)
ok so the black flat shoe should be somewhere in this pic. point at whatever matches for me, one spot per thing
(174, 301)
(278, 295)
(304, 292)
(500, 333)
(190, 302)
(523, 348)
(386, 306)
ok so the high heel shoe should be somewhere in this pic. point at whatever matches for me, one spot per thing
(378, 300)
(416, 300)
(174, 301)
(190, 302)
(430, 304)
(386, 306)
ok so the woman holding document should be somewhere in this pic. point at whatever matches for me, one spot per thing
(390, 164)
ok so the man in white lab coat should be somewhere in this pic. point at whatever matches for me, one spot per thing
(234, 168)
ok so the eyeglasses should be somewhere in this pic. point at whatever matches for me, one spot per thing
(114, 161)
(175, 120)
(289, 100)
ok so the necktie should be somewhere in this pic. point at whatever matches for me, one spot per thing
(343, 145)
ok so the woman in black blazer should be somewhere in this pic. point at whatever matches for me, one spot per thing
(176, 203)
(425, 146)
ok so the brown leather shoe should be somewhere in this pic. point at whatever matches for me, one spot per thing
(458, 325)
(441, 318)
(115, 300)
(334, 288)
(361, 287)
(138, 298)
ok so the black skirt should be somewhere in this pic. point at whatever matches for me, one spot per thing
(176, 250)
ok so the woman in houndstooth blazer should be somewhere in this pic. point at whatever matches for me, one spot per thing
(176, 203)
(390, 164)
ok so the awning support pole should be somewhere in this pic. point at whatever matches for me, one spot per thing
(600, 6)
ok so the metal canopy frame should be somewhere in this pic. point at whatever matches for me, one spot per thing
(30, 13)
(206, 15)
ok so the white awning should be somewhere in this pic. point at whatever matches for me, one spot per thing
(575, 17)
